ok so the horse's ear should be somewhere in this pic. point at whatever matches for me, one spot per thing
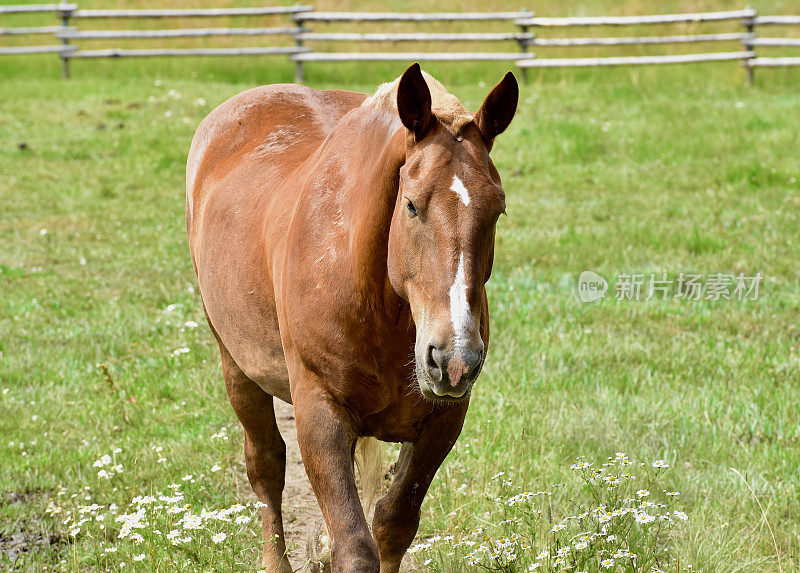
(498, 109)
(414, 102)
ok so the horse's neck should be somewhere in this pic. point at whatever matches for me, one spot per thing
(374, 201)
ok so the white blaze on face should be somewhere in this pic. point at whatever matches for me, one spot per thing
(458, 188)
(460, 312)
(460, 315)
(459, 307)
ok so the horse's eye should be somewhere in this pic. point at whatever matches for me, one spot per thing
(411, 209)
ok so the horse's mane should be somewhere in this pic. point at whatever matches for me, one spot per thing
(444, 104)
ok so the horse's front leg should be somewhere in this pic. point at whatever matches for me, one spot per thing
(397, 514)
(327, 437)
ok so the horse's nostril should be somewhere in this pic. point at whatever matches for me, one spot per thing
(432, 364)
(430, 359)
(474, 365)
(474, 370)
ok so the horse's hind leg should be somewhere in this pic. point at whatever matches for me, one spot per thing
(265, 454)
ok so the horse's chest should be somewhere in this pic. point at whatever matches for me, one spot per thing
(402, 421)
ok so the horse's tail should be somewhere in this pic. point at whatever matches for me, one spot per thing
(369, 461)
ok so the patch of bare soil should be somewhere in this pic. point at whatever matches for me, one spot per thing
(19, 497)
(301, 514)
(16, 545)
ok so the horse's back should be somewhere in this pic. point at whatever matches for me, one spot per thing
(277, 125)
(241, 173)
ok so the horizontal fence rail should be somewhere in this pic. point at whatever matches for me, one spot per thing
(30, 8)
(197, 13)
(777, 21)
(31, 31)
(409, 56)
(118, 53)
(414, 37)
(634, 60)
(633, 40)
(636, 20)
(302, 41)
(774, 62)
(409, 16)
(19, 50)
(182, 33)
(781, 42)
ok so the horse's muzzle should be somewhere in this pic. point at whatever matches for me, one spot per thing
(449, 375)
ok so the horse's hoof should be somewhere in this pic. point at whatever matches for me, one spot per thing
(318, 549)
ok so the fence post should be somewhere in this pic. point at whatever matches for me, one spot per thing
(523, 44)
(750, 27)
(65, 13)
(299, 72)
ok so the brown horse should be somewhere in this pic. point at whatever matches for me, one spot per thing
(335, 236)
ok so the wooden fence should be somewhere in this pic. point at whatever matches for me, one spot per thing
(772, 62)
(301, 42)
(69, 13)
(304, 20)
(743, 16)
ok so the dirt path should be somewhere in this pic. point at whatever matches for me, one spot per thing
(301, 513)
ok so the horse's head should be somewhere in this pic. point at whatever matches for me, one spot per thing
(441, 243)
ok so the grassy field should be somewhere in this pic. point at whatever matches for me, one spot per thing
(103, 345)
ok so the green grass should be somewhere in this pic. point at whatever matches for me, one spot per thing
(617, 171)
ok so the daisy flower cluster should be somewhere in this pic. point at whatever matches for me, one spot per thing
(155, 530)
(107, 466)
(610, 516)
